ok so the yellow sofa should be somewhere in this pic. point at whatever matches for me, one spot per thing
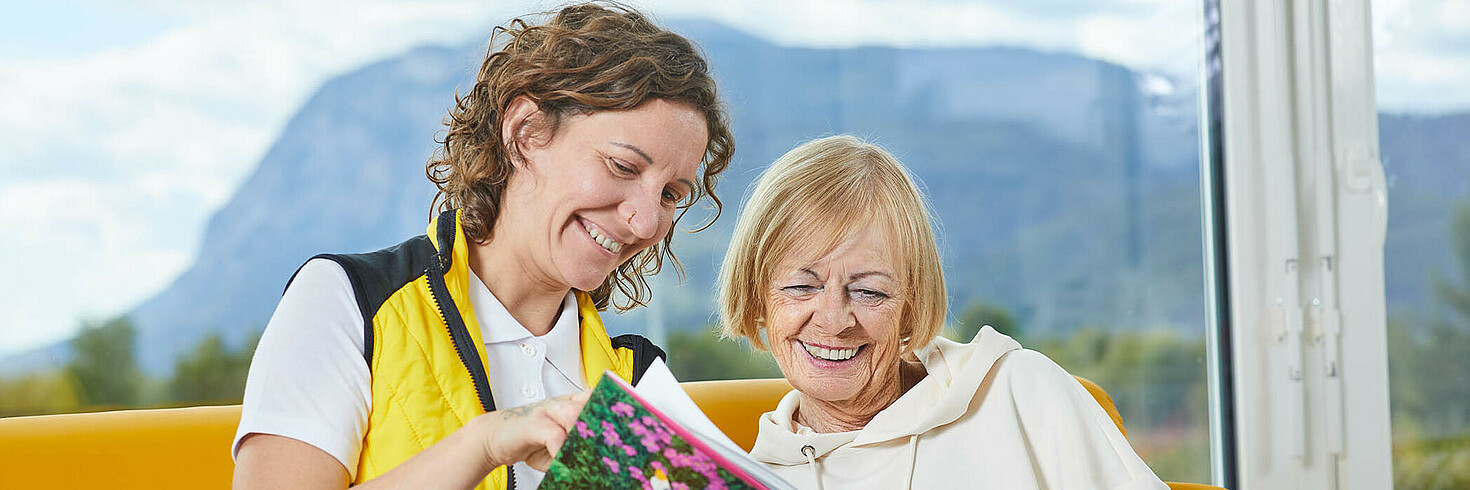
(189, 447)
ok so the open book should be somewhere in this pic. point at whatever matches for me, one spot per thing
(651, 436)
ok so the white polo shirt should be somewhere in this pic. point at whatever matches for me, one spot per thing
(308, 380)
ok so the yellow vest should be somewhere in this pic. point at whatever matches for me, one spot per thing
(424, 349)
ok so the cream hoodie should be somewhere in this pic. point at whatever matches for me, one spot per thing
(989, 414)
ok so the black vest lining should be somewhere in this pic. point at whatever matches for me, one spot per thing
(377, 275)
(644, 352)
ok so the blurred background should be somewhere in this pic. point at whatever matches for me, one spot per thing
(166, 165)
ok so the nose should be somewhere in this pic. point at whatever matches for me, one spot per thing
(834, 313)
(643, 214)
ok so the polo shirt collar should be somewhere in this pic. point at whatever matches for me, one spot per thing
(563, 342)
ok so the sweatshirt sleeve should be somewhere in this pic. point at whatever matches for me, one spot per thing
(1072, 441)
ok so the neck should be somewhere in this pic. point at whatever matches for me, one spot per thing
(531, 298)
(854, 414)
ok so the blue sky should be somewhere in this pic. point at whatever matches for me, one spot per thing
(125, 125)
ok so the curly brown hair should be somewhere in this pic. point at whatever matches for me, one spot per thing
(589, 57)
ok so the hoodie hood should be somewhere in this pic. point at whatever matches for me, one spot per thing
(954, 374)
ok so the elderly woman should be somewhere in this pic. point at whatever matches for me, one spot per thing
(834, 270)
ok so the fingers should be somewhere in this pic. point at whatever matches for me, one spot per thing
(566, 409)
(549, 436)
(540, 460)
(533, 433)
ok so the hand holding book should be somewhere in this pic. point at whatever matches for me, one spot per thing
(533, 433)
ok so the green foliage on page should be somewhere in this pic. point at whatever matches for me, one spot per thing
(618, 443)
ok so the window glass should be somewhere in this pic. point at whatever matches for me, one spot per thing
(1058, 140)
(1422, 66)
(1064, 165)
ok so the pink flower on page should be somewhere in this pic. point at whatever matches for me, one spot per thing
(676, 459)
(657, 465)
(612, 465)
(583, 430)
(610, 434)
(623, 409)
(628, 450)
(678, 486)
(649, 443)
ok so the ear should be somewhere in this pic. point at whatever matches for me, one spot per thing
(517, 126)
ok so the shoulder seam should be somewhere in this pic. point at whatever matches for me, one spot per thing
(376, 276)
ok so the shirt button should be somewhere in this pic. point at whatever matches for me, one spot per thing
(528, 349)
(528, 391)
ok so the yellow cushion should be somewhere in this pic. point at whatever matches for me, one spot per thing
(161, 448)
(1104, 400)
(736, 405)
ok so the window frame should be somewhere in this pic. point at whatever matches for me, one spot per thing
(1305, 215)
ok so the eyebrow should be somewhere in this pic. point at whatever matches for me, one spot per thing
(687, 183)
(853, 277)
(635, 149)
(649, 159)
(861, 275)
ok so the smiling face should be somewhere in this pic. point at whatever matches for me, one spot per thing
(604, 187)
(834, 323)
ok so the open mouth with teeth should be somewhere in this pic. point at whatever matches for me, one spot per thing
(602, 238)
(831, 354)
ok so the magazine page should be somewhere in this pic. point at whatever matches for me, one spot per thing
(622, 440)
(659, 388)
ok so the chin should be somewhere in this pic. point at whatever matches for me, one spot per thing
(826, 393)
(586, 283)
(827, 390)
(582, 273)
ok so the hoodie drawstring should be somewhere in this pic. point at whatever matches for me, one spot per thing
(811, 453)
(913, 459)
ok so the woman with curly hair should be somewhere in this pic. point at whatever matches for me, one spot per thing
(459, 358)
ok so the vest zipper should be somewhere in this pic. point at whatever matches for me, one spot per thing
(464, 346)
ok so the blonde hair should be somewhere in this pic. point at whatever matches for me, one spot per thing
(826, 190)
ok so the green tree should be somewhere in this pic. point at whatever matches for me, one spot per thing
(1429, 357)
(700, 355)
(1440, 354)
(1156, 379)
(980, 314)
(1457, 297)
(212, 372)
(37, 393)
(103, 367)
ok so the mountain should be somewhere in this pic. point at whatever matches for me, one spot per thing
(1064, 191)
(1427, 162)
(345, 175)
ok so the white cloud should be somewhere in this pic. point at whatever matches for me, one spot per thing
(1147, 34)
(1421, 54)
(78, 249)
(113, 161)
